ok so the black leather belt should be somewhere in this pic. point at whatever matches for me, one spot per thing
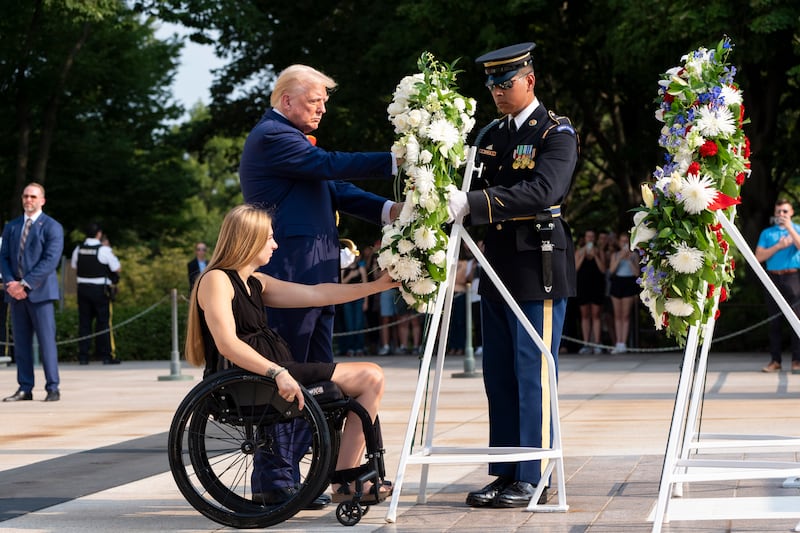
(784, 271)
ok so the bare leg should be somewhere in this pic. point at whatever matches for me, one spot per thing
(364, 383)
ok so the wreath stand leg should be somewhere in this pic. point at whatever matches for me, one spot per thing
(684, 435)
(430, 454)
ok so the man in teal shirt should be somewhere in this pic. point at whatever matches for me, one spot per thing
(779, 246)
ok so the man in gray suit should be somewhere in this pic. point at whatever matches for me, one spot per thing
(29, 256)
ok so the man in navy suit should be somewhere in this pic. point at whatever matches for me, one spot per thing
(529, 157)
(283, 170)
(29, 256)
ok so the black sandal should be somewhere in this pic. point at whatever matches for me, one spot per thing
(359, 475)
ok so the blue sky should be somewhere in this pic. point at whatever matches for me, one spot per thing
(194, 73)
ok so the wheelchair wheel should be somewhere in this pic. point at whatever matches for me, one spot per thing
(224, 429)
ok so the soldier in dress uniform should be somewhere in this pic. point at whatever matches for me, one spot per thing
(529, 157)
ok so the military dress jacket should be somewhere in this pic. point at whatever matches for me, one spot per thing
(526, 173)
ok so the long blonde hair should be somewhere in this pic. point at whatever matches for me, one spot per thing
(244, 232)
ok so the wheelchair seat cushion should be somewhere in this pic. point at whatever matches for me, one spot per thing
(325, 392)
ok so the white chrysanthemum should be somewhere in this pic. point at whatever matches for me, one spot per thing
(425, 180)
(424, 238)
(731, 95)
(442, 131)
(408, 268)
(697, 193)
(677, 307)
(715, 121)
(423, 286)
(686, 259)
(405, 246)
(408, 297)
(439, 258)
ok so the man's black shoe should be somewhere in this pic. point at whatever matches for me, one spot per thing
(52, 396)
(19, 396)
(319, 502)
(282, 495)
(518, 494)
(111, 361)
(486, 495)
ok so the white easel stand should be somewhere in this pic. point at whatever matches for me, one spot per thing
(684, 436)
(431, 454)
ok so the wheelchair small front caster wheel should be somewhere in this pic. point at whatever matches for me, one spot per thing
(349, 513)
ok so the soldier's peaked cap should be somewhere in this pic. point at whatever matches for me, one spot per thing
(502, 65)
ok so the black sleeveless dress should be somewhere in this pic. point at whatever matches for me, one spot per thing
(251, 327)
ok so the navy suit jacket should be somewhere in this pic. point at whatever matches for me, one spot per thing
(303, 186)
(43, 249)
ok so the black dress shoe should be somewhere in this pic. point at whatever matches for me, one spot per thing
(486, 495)
(111, 361)
(518, 494)
(275, 496)
(319, 502)
(52, 396)
(19, 396)
(282, 495)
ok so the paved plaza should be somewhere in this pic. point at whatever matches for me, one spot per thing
(96, 461)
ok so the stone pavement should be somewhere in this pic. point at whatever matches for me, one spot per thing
(96, 461)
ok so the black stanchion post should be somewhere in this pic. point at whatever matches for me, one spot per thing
(175, 359)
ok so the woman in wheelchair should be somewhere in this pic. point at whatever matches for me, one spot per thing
(227, 327)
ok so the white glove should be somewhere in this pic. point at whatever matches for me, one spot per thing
(457, 205)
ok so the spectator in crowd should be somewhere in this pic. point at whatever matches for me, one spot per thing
(779, 247)
(389, 307)
(352, 338)
(97, 271)
(373, 312)
(29, 256)
(457, 334)
(624, 268)
(7, 346)
(590, 262)
(197, 265)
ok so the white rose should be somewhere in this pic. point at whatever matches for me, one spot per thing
(425, 157)
(460, 104)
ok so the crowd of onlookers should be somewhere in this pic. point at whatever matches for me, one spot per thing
(599, 317)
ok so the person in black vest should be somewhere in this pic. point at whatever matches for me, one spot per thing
(529, 156)
(98, 269)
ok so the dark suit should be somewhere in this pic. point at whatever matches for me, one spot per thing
(283, 171)
(301, 183)
(193, 270)
(526, 173)
(34, 314)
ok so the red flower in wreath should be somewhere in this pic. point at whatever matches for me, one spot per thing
(709, 149)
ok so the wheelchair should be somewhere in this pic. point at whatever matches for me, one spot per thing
(228, 423)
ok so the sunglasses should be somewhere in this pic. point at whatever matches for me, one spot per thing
(503, 85)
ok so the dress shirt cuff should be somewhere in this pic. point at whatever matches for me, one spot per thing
(385, 212)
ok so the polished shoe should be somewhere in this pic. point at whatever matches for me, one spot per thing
(320, 502)
(19, 396)
(485, 496)
(52, 396)
(773, 366)
(111, 361)
(282, 495)
(518, 494)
